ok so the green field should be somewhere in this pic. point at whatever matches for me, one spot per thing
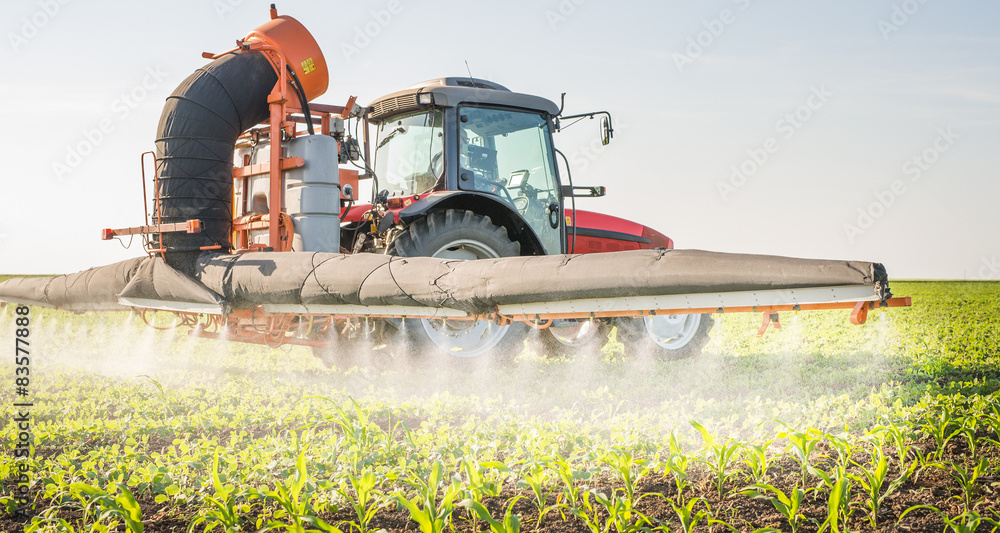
(136, 429)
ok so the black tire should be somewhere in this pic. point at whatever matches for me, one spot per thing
(459, 234)
(556, 341)
(641, 340)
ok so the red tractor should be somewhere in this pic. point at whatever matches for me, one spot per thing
(465, 168)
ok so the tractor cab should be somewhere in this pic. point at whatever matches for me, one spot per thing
(471, 144)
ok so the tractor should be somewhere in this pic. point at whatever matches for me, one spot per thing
(464, 168)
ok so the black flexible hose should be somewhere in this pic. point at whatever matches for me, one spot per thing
(572, 199)
(198, 129)
(302, 99)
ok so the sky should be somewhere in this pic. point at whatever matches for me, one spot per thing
(850, 129)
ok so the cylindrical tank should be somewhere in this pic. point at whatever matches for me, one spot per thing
(312, 194)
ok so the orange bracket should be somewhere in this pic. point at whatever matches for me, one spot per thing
(860, 313)
(769, 319)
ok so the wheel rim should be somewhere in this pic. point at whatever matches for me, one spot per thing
(577, 335)
(464, 338)
(672, 332)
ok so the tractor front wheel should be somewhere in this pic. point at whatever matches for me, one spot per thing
(460, 234)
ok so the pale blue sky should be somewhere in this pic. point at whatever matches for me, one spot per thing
(931, 90)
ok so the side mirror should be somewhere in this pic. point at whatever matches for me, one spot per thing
(607, 132)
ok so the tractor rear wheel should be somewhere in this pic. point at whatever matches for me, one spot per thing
(460, 234)
(573, 338)
(668, 337)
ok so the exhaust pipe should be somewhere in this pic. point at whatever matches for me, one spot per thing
(204, 117)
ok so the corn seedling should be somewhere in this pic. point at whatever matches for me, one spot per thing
(588, 513)
(967, 522)
(359, 490)
(628, 468)
(802, 444)
(294, 502)
(897, 436)
(106, 506)
(535, 477)
(942, 429)
(967, 479)
(789, 505)
(844, 447)
(720, 457)
(569, 477)
(225, 508)
(756, 458)
(677, 466)
(688, 517)
(838, 505)
(622, 515)
(872, 478)
(429, 511)
(511, 522)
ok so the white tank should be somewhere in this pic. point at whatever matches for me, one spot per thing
(312, 192)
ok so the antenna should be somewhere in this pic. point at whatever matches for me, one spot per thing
(471, 79)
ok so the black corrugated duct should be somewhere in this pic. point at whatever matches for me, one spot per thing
(194, 148)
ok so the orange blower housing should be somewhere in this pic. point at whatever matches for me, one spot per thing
(300, 49)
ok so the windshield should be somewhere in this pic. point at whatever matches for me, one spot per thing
(408, 152)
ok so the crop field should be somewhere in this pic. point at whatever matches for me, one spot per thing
(819, 426)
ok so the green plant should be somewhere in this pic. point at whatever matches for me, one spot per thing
(535, 477)
(121, 505)
(428, 509)
(720, 457)
(677, 463)
(359, 490)
(294, 502)
(967, 522)
(967, 479)
(225, 507)
(942, 428)
(511, 522)
(789, 505)
(757, 460)
(844, 447)
(802, 444)
(838, 505)
(569, 476)
(898, 436)
(688, 517)
(873, 477)
(628, 468)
